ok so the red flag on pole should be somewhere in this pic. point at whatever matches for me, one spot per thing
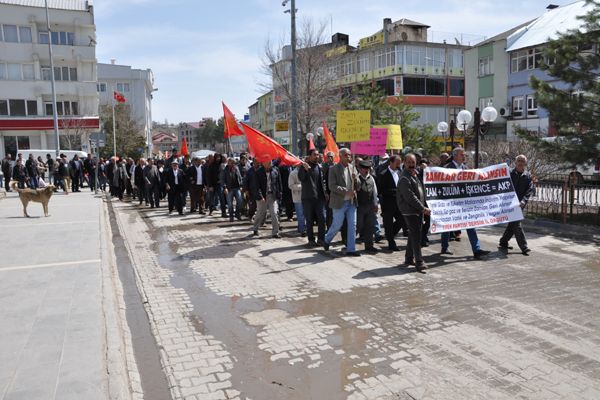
(119, 97)
(263, 148)
(231, 126)
(184, 149)
(331, 144)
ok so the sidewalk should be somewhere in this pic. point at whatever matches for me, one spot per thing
(53, 333)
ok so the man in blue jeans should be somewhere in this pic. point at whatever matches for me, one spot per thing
(232, 186)
(342, 201)
(457, 162)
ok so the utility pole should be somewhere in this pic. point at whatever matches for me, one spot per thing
(295, 148)
(477, 130)
(52, 82)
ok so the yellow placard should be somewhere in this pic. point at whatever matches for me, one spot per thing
(372, 40)
(281, 126)
(353, 126)
(448, 144)
(394, 138)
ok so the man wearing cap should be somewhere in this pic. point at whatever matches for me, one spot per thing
(368, 204)
(175, 185)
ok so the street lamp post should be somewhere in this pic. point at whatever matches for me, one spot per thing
(442, 128)
(52, 82)
(488, 115)
(294, 88)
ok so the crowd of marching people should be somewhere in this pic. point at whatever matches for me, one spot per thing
(345, 196)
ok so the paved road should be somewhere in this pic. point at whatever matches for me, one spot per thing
(261, 318)
(52, 329)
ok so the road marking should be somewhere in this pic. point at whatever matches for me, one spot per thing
(48, 223)
(61, 264)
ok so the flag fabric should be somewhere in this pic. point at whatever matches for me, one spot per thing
(311, 144)
(231, 126)
(184, 149)
(119, 97)
(331, 144)
(263, 148)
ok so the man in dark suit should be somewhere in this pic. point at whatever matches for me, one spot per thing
(89, 165)
(196, 175)
(265, 188)
(175, 181)
(314, 197)
(458, 159)
(31, 166)
(152, 183)
(7, 171)
(76, 173)
(387, 186)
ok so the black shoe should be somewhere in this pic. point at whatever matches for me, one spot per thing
(230, 219)
(303, 234)
(480, 253)
(325, 246)
(378, 238)
(276, 236)
(254, 233)
(446, 251)
(425, 244)
(504, 246)
(526, 251)
(312, 243)
(371, 250)
(421, 267)
(201, 212)
(352, 254)
(408, 262)
(319, 243)
(393, 248)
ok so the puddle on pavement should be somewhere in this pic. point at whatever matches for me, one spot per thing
(153, 380)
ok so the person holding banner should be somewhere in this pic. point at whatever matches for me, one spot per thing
(458, 159)
(342, 178)
(411, 203)
(524, 189)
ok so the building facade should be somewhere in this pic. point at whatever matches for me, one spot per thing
(163, 142)
(26, 109)
(137, 86)
(189, 131)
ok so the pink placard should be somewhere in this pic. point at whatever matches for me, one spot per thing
(373, 147)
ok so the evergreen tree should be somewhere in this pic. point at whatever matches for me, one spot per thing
(385, 110)
(573, 58)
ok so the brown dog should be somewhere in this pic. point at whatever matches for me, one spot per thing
(37, 195)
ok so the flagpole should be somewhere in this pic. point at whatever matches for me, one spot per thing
(230, 145)
(113, 123)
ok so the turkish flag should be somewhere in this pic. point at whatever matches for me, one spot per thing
(231, 126)
(263, 148)
(119, 97)
(184, 150)
(331, 144)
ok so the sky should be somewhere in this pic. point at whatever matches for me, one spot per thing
(205, 51)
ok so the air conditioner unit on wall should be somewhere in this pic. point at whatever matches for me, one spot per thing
(505, 112)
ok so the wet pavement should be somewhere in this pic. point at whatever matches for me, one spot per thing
(259, 318)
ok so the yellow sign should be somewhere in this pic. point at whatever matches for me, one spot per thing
(353, 126)
(394, 139)
(457, 142)
(371, 40)
(282, 126)
(336, 51)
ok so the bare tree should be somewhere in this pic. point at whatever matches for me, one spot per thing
(71, 133)
(316, 71)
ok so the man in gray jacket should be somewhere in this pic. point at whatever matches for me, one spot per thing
(411, 202)
(152, 183)
(342, 179)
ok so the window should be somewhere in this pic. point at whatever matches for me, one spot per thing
(101, 87)
(32, 107)
(28, 73)
(10, 33)
(43, 37)
(25, 34)
(415, 56)
(525, 59)
(346, 68)
(119, 87)
(46, 74)
(486, 66)
(17, 108)
(436, 57)
(387, 85)
(126, 85)
(484, 102)
(60, 38)
(435, 87)
(414, 86)
(63, 108)
(23, 142)
(14, 72)
(74, 108)
(457, 87)
(517, 106)
(532, 107)
(60, 73)
(3, 107)
(456, 58)
(2, 71)
(363, 63)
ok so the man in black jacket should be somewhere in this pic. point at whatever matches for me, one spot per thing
(7, 171)
(265, 188)
(89, 165)
(76, 172)
(175, 181)
(524, 189)
(232, 187)
(152, 183)
(196, 175)
(314, 197)
(387, 184)
(31, 166)
(19, 174)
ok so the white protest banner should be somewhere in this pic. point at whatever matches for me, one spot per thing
(470, 198)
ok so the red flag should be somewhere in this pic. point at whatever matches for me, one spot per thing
(231, 126)
(119, 97)
(184, 150)
(311, 144)
(331, 144)
(263, 148)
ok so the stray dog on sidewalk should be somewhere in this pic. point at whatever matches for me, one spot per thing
(37, 195)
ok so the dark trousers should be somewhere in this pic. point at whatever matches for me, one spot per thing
(75, 183)
(92, 181)
(313, 211)
(392, 220)
(365, 224)
(425, 230)
(196, 197)
(514, 228)
(176, 200)
(153, 195)
(288, 204)
(414, 225)
(251, 208)
(7, 182)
